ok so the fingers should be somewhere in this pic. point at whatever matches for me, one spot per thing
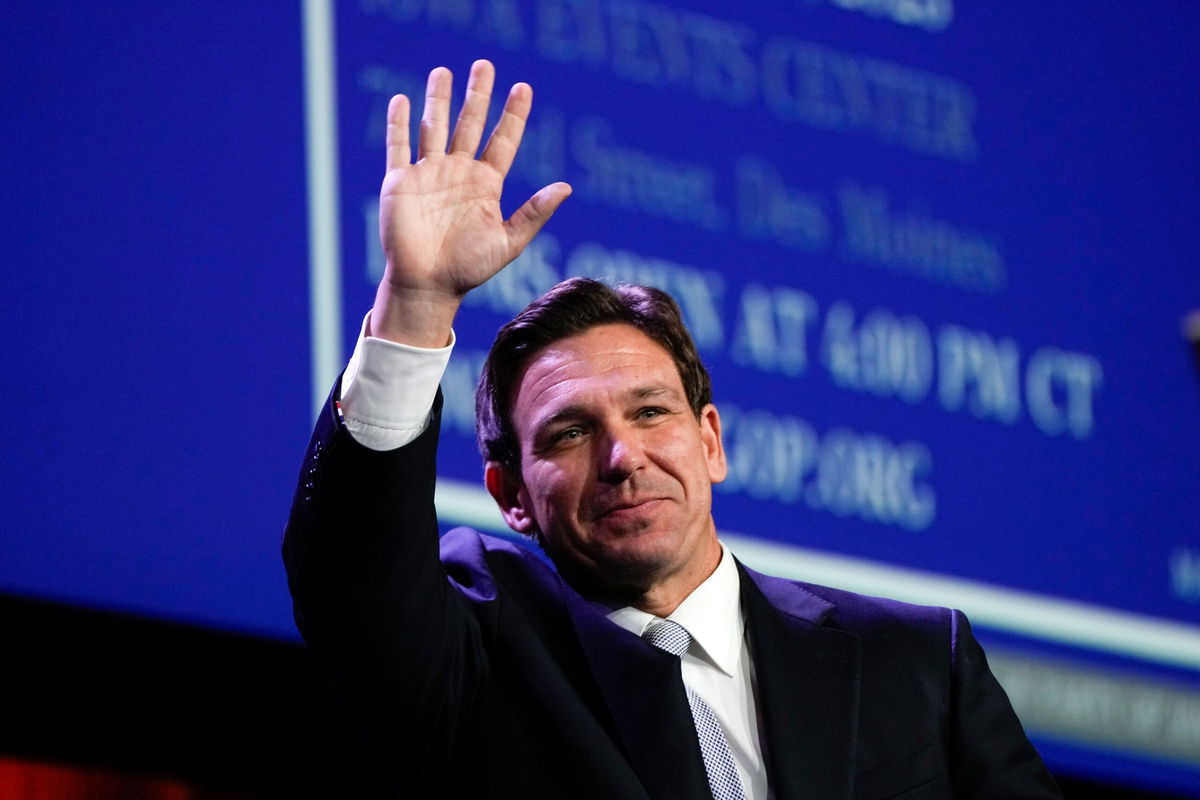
(501, 148)
(527, 220)
(435, 120)
(506, 138)
(399, 152)
(468, 131)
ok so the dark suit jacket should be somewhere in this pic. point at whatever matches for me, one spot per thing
(477, 671)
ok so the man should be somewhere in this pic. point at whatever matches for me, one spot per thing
(649, 664)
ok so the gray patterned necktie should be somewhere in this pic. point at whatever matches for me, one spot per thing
(718, 760)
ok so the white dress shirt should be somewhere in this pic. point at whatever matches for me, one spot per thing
(386, 396)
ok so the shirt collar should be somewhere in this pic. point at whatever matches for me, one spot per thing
(712, 614)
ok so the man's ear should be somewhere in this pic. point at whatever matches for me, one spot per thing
(507, 489)
(714, 447)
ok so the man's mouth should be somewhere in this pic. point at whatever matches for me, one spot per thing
(630, 508)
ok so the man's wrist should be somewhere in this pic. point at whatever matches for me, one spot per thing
(415, 317)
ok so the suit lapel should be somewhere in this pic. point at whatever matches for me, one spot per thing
(808, 689)
(646, 701)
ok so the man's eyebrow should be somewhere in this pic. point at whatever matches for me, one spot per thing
(572, 411)
(656, 390)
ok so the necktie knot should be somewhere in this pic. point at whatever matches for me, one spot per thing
(669, 636)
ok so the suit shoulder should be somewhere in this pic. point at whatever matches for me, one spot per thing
(477, 562)
(908, 644)
(867, 616)
(862, 609)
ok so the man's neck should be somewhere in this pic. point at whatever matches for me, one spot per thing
(662, 596)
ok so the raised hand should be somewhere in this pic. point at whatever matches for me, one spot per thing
(439, 219)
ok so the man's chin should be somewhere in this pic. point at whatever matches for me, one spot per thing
(634, 566)
(623, 566)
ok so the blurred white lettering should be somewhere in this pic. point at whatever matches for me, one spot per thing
(1059, 387)
(772, 329)
(979, 372)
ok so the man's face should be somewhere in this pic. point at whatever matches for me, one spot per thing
(616, 470)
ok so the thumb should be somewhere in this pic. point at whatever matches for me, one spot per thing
(527, 220)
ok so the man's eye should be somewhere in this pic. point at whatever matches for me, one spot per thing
(567, 434)
(650, 413)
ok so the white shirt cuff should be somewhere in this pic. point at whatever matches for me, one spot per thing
(388, 390)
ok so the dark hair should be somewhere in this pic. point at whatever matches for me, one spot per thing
(572, 307)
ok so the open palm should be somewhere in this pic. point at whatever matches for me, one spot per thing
(440, 222)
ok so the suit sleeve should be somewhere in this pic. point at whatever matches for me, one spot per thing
(990, 755)
(373, 602)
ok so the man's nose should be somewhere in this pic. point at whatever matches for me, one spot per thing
(620, 456)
